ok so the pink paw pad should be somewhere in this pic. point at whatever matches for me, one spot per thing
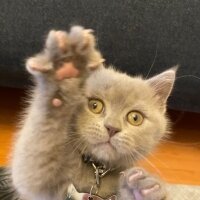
(57, 102)
(67, 70)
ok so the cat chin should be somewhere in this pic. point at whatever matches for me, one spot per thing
(104, 152)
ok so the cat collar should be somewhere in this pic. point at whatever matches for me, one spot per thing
(100, 170)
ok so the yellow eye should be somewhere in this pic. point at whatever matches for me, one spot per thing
(96, 106)
(135, 118)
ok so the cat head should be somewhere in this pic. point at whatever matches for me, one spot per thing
(123, 117)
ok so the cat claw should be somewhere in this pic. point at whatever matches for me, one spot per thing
(143, 186)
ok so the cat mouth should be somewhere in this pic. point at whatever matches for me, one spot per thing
(107, 144)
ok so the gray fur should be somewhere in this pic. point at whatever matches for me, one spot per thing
(47, 153)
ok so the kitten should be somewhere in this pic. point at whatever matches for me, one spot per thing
(80, 108)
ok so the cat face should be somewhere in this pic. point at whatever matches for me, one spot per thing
(123, 117)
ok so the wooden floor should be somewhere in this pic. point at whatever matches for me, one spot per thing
(176, 160)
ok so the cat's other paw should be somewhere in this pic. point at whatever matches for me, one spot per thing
(66, 54)
(137, 184)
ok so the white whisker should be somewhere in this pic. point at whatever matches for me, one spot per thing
(149, 162)
(188, 76)
(154, 60)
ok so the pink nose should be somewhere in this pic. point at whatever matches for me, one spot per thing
(112, 130)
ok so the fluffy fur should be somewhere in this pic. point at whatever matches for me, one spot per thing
(47, 156)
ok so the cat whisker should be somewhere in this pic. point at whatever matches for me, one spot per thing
(160, 161)
(165, 165)
(83, 149)
(128, 159)
(154, 60)
(149, 162)
(74, 140)
(181, 143)
(188, 76)
(77, 144)
(151, 154)
(131, 156)
(84, 146)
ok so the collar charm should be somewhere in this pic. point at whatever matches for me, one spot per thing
(100, 170)
(72, 194)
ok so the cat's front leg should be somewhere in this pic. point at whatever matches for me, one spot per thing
(65, 55)
(137, 184)
(41, 164)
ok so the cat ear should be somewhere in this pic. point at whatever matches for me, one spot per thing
(163, 84)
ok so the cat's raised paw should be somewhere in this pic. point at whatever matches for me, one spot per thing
(139, 184)
(66, 53)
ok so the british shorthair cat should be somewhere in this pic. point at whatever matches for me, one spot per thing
(87, 124)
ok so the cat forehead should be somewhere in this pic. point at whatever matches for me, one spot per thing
(112, 85)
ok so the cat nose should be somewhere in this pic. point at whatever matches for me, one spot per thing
(112, 130)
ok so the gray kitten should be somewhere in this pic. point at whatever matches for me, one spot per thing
(80, 108)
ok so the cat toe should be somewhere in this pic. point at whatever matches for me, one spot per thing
(134, 175)
(150, 188)
(84, 45)
(56, 45)
(38, 64)
(82, 40)
(153, 188)
(57, 42)
(139, 184)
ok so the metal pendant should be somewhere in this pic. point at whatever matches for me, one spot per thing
(73, 194)
(100, 170)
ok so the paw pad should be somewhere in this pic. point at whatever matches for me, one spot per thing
(57, 102)
(67, 70)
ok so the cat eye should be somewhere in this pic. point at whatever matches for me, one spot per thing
(96, 106)
(135, 118)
